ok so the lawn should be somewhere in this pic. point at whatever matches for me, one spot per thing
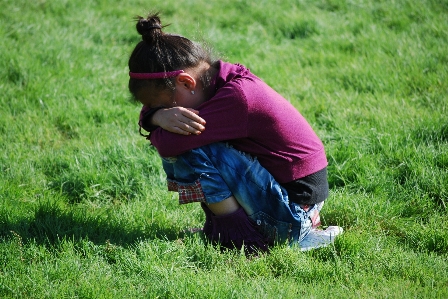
(84, 210)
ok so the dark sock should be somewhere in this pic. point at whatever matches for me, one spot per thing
(208, 224)
(235, 230)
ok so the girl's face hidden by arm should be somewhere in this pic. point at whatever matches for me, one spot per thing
(187, 93)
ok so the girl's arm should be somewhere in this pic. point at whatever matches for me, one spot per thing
(179, 120)
(227, 119)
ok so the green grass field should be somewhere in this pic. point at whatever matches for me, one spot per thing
(84, 211)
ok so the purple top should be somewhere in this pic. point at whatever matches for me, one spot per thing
(253, 118)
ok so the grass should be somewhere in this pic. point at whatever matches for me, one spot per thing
(83, 208)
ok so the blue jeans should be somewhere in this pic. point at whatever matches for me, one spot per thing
(217, 171)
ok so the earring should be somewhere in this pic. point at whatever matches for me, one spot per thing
(192, 92)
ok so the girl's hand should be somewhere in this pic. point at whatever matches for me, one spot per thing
(180, 120)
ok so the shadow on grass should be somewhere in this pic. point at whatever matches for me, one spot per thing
(51, 224)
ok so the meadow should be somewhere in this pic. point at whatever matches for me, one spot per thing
(84, 210)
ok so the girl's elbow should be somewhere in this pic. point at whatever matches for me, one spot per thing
(167, 152)
(164, 152)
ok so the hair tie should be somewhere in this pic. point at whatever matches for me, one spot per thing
(154, 27)
(161, 75)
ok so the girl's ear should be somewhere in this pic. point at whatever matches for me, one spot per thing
(185, 80)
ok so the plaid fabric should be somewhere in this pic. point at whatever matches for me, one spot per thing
(187, 193)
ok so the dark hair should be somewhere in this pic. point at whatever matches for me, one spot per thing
(161, 52)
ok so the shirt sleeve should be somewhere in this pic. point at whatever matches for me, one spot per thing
(146, 115)
(226, 116)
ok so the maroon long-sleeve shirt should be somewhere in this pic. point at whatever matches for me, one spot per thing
(253, 118)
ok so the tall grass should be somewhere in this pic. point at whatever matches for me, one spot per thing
(83, 208)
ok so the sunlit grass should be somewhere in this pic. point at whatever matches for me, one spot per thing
(83, 206)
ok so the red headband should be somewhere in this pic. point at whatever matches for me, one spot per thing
(161, 75)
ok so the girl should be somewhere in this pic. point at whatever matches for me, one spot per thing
(230, 142)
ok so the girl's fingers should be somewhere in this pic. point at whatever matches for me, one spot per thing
(178, 130)
(192, 127)
(193, 115)
(191, 124)
(182, 121)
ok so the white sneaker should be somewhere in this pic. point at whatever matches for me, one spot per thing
(320, 238)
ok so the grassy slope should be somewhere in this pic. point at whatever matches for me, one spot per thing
(83, 208)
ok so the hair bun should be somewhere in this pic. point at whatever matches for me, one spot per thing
(148, 27)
